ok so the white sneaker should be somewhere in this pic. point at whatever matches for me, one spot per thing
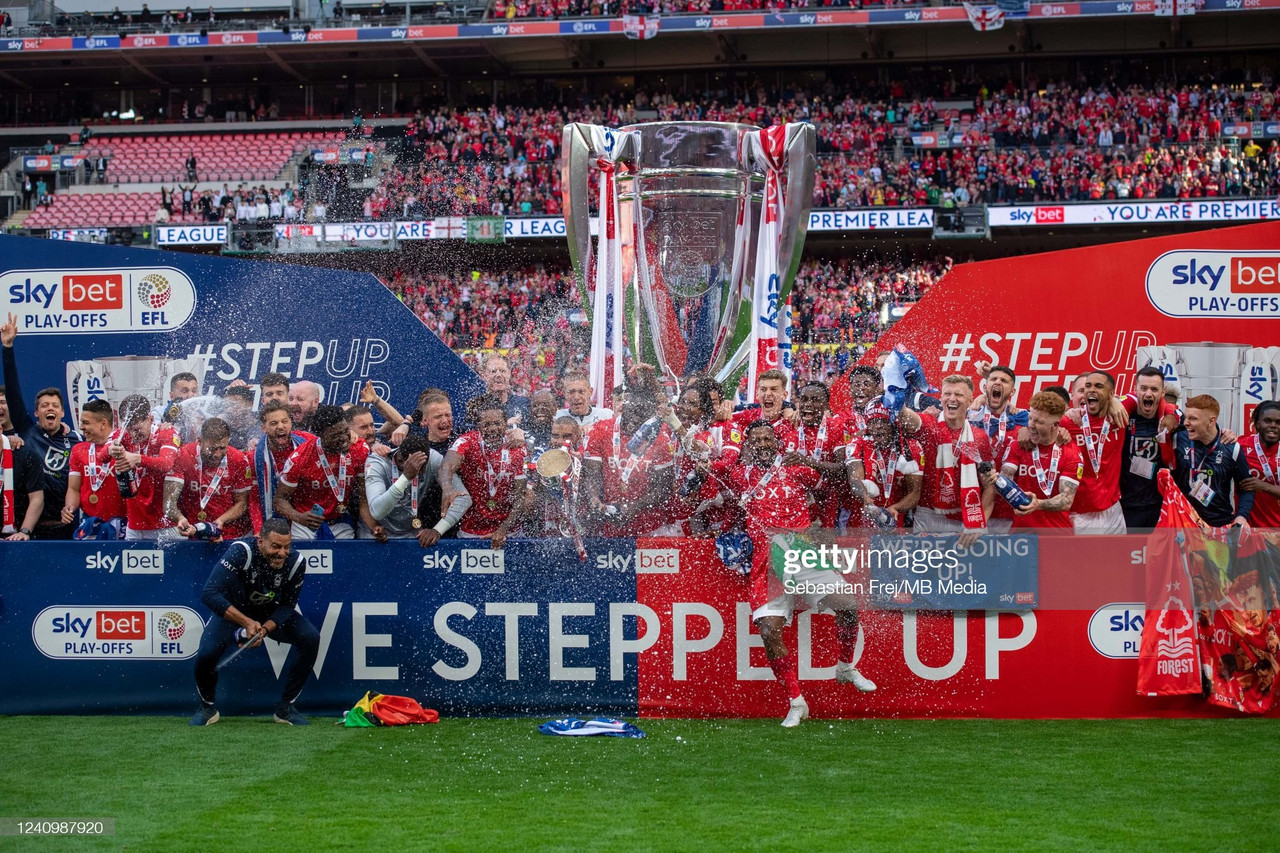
(799, 711)
(847, 673)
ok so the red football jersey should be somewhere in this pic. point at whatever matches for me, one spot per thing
(105, 501)
(490, 474)
(941, 468)
(304, 473)
(888, 468)
(1264, 463)
(626, 478)
(1067, 468)
(773, 496)
(782, 428)
(197, 481)
(159, 453)
(1099, 488)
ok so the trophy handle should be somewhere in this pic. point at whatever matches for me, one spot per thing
(802, 165)
(576, 152)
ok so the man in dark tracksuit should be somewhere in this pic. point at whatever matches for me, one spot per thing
(44, 433)
(255, 587)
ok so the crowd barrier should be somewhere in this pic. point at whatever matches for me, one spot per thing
(649, 627)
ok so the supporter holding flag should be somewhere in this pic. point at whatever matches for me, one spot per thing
(92, 487)
(1208, 470)
(491, 470)
(1049, 473)
(323, 480)
(1262, 453)
(143, 457)
(209, 486)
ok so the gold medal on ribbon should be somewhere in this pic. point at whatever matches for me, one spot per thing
(93, 499)
(342, 509)
(202, 515)
(417, 524)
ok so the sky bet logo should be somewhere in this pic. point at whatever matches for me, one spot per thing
(79, 293)
(134, 299)
(1204, 283)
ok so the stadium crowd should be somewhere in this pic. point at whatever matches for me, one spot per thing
(1061, 143)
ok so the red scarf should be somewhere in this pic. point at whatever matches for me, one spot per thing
(6, 465)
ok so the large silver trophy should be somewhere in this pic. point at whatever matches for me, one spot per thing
(688, 200)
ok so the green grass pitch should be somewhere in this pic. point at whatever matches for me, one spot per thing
(487, 784)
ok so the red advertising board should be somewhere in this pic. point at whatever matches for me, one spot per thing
(1073, 657)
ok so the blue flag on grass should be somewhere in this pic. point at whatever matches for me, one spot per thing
(602, 726)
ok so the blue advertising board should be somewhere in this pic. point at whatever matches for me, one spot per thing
(79, 304)
(114, 628)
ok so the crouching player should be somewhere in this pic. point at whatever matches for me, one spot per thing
(776, 496)
(255, 587)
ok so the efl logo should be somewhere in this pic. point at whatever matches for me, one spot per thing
(1260, 275)
(1050, 215)
(92, 292)
(121, 624)
(657, 561)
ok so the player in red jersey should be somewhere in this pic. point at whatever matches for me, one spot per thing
(146, 457)
(1262, 453)
(776, 496)
(821, 438)
(771, 394)
(627, 492)
(883, 458)
(492, 470)
(1096, 509)
(952, 499)
(323, 480)
(92, 486)
(209, 483)
(1049, 472)
(267, 458)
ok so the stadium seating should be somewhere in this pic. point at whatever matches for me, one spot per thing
(220, 157)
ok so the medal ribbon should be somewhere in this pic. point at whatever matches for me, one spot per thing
(337, 485)
(1267, 473)
(1092, 446)
(615, 458)
(1046, 479)
(491, 479)
(207, 493)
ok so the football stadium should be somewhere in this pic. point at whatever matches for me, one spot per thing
(639, 424)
